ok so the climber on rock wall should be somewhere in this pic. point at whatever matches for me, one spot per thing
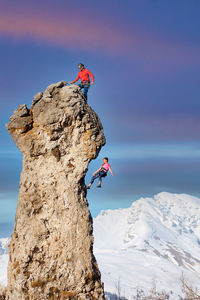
(84, 75)
(101, 172)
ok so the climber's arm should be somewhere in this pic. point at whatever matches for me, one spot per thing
(92, 77)
(77, 78)
(111, 171)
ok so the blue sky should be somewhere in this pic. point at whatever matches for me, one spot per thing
(146, 62)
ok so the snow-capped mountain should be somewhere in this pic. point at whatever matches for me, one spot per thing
(4, 242)
(155, 239)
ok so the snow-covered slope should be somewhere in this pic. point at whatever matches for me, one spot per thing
(155, 239)
(3, 260)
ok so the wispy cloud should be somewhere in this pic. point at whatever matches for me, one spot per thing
(139, 151)
(73, 31)
(78, 32)
(144, 127)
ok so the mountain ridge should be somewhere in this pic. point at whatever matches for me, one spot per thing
(163, 246)
(155, 238)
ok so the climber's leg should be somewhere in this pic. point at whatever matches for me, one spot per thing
(99, 185)
(101, 174)
(93, 179)
(85, 91)
(85, 88)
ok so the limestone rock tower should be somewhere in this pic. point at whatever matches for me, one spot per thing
(51, 250)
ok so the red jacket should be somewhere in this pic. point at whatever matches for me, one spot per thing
(84, 76)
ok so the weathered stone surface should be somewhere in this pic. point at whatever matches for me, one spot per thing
(2, 293)
(37, 97)
(21, 120)
(51, 250)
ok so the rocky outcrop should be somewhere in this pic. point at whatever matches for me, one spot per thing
(2, 293)
(51, 250)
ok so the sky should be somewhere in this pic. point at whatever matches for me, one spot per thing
(144, 55)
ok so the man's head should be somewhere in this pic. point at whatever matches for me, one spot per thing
(80, 66)
(105, 160)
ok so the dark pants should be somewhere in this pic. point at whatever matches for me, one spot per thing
(85, 87)
(99, 175)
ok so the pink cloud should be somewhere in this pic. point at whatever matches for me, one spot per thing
(73, 31)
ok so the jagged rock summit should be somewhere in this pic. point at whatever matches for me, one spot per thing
(51, 250)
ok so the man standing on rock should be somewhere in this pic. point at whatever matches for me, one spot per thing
(84, 75)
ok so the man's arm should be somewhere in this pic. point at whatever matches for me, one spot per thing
(92, 76)
(111, 171)
(77, 78)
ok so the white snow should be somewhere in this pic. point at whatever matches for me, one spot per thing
(154, 240)
(3, 260)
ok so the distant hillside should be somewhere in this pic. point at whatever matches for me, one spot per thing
(3, 260)
(155, 239)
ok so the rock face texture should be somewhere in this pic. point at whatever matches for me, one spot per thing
(51, 250)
